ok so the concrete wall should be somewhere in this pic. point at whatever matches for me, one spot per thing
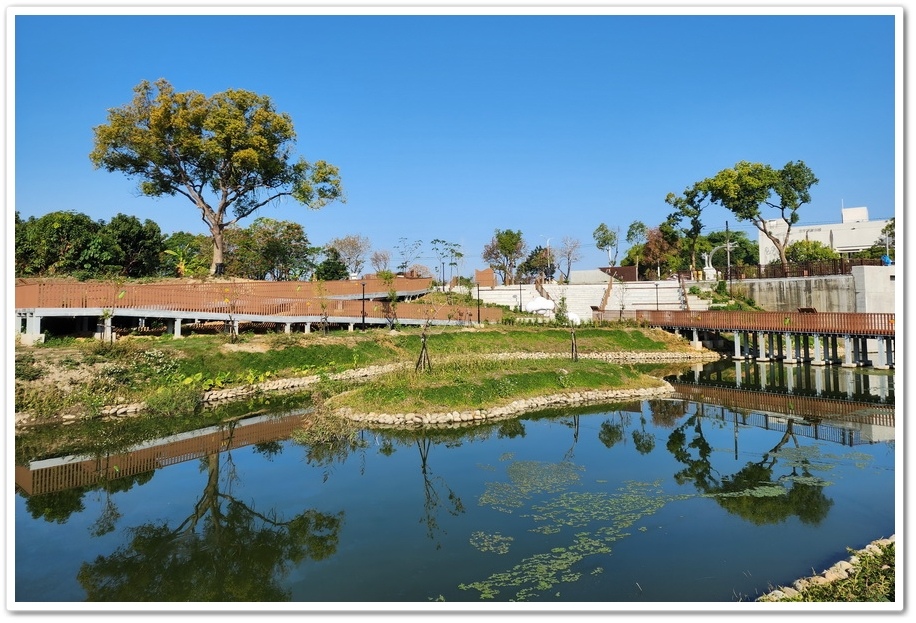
(875, 288)
(869, 289)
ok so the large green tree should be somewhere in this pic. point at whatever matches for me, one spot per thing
(332, 268)
(64, 243)
(749, 187)
(270, 249)
(689, 207)
(138, 244)
(637, 234)
(503, 252)
(809, 251)
(229, 154)
(607, 240)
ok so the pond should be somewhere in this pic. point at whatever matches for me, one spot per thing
(660, 501)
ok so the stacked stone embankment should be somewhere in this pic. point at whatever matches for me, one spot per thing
(840, 571)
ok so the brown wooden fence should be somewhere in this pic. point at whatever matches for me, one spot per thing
(258, 298)
(822, 323)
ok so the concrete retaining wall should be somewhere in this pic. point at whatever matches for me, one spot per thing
(869, 289)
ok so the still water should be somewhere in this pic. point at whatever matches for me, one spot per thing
(672, 500)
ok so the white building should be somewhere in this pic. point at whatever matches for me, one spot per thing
(856, 233)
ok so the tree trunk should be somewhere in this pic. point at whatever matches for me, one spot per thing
(217, 264)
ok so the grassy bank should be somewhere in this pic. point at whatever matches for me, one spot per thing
(477, 383)
(81, 377)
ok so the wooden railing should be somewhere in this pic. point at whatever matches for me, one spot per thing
(200, 296)
(822, 323)
(251, 298)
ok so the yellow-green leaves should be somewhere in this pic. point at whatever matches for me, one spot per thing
(228, 151)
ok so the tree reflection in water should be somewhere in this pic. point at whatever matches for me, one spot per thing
(224, 550)
(756, 492)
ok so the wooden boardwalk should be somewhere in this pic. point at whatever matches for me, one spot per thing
(104, 308)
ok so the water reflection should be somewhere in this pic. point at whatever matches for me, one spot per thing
(841, 383)
(850, 406)
(528, 508)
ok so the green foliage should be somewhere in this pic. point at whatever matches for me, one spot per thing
(233, 145)
(137, 245)
(607, 240)
(173, 400)
(503, 253)
(809, 251)
(269, 249)
(332, 268)
(26, 368)
(184, 255)
(748, 187)
(61, 243)
(872, 579)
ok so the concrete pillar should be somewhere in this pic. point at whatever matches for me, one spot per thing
(738, 373)
(697, 344)
(818, 359)
(881, 358)
(737, 337)
(308, 327)
(287, 327)
(350, 328)
(175, 327)
(765, 346)
(849, 352)
(790, 379)
(791, 353)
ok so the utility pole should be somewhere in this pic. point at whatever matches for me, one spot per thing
(728, 256)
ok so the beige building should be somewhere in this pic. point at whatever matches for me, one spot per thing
(855, 233)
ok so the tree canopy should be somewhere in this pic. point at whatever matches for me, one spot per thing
(748, 187)
(606, 239)
(503, 252)
(229, 154)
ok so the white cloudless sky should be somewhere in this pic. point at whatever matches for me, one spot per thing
(453, 122)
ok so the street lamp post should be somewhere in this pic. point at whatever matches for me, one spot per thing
(519, 296)
(363, 284)
(478, 303)
(656, 296)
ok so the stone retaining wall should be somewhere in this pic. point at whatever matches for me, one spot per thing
(453, 419)
(839, 571)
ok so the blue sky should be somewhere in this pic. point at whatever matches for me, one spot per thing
(452, 126)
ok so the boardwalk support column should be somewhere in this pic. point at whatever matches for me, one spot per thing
(818, 359)
(33, 334)
(791, 348)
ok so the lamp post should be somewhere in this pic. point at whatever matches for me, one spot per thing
(656, 295)
(363, 284)
(478, 303)
(519, 296)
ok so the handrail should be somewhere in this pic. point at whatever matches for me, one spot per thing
(822, 323)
